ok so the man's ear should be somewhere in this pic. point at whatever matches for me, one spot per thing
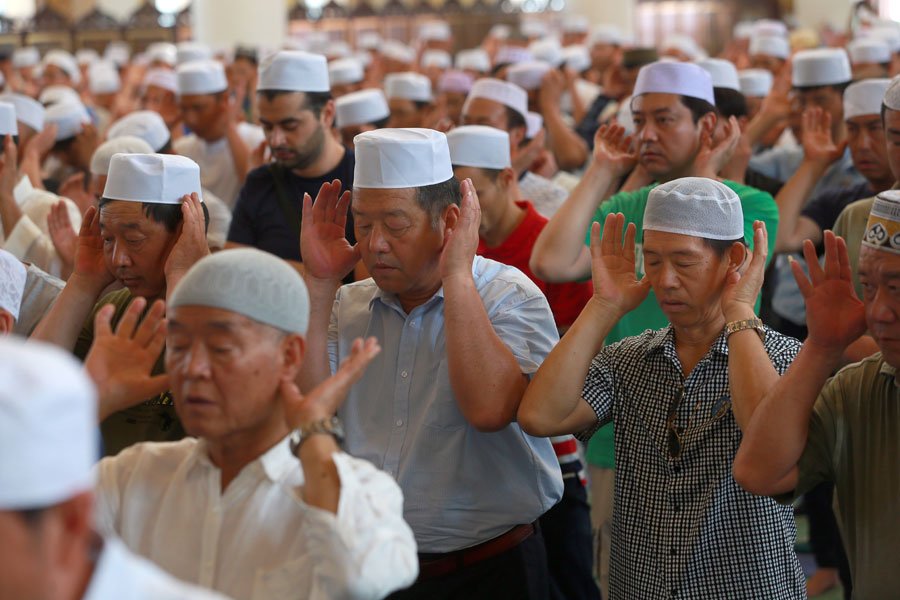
(707, 123)
(293, 347)
(326, 116)
(516, 136)
(738, 255)
(450, 217)
(506, 178)
(742, 122)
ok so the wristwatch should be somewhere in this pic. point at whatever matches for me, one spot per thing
(736, 326)
(329, 426)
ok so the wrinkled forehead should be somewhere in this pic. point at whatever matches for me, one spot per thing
(882, 264)
(665, 243)
(192, 318)
(372, 201)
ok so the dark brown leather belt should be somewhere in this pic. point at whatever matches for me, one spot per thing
(436, 565)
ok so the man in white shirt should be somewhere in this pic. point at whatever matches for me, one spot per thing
(48, 446)
(232, 508)
(218, 142)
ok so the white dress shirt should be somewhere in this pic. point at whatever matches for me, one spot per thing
(120, 575)
(217, 172)
(257, 540)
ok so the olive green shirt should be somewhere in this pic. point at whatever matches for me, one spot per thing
(854, 441)
(153, 420)
(851, 225)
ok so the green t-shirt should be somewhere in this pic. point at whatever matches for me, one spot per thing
(153, 420)
(756, 205)
(851, 225)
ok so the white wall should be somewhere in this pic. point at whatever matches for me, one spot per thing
(614, 12)
(17, 9)
(228, 22)
(815, 13)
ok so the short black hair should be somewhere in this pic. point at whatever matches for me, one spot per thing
(63, 145)
(514, 119)
(167, 147)
(435, 198)
(32, 516)
(498, 67)
(420, 104)
(838, 87)
(167, 214)
(314, 101)
(381, 123)
(730, 103)
(698, 107)
(721, 247)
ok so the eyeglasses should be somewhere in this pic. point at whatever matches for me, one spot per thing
(676, 434)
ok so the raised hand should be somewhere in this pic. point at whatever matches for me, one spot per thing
(552, 87)
(834, 315)
(65, 240)
(90, 262)
(710, 160)
(325, 399)
(778, 102)
(613, 269)
(327, 255)
(40, 144)
(191, 244)
(818, 144)
(524, 157)
(120, 363)
(742, 285)
(462, 240)
(612, 149)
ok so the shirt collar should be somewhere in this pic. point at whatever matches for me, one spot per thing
(889, 371)
(276, 462)
(665, 339)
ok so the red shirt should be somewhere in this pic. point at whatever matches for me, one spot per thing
(566, 299)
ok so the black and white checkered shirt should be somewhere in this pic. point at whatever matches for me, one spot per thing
(684, 528)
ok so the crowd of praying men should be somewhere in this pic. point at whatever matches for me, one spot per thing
(563, 316)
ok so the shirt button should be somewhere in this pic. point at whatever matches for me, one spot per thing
(403, 373)
(399, 422)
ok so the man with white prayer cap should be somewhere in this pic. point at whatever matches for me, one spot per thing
(51, 550)
(76, 137)
(159, 91)
(56, 94)
(453, 86)
(811, 426)
(604, 42)
(528, 75)
(218, 142)
(769, 52)
(509, 226)
(191, 51)
(669, 392)
(436, 35)
(360, 111)
(453, 326)
(503, 105)
(755, 85)
(12, 287)
(60, 68)
(297, 114)
(397, 56)
(409, 98)
(474, 61)
(681, 47)
(575, 29)
(29, 115)
(104, 85)
(145, 124)
(345, 75)
(262, 457)
(162, 55)
(117, 51)
(150, 228)
(869, 58)
(433, 63)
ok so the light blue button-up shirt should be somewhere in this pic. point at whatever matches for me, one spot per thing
(461, 486)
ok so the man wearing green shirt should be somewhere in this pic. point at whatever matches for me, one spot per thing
(674, 115)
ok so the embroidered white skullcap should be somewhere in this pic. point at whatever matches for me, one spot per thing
(192, 51)
(547, 50)
(28, 56)
(86, 56)
(368, 40)
(12, 283)
(401, 158)
(575, 24)
(294, 71)
(606, 34)
(201, 77)
(28, 110)
(695, 206)
(533, 28)
(161, 78)
(398, 51)
(892, 95)
(357, 108)
(869, 50)
(685, 44)
(459, 82)
(104, 78)
(511, 55)
(48, 426)
(249, 282)
(883, 225)
(770, 45)
(436, 31)
(533, 124)
(755, 83)
(346, 70)
(117, 51)
(723, 73)
(152, 178)
(145, 124)
(864, 97)
(408, 85)
(499, 31)
(474, 59)
(125, 144)
(503, 92)
(337, 49)
(770, 27)
(164, 52)
(8, 125)
(68, 118)
(54, 94)
(577, 58)
(65, 62)
(436, 58)
(479, 146)
(821, 66)
(743, 30)
(684, 79)
(528, 75)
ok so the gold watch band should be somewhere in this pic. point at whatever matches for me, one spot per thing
(741, 325)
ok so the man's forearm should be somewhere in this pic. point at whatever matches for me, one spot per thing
(487, 381)
(63, 323)
(321, 483)
(568, 147)
(750, 371)
(759, 126)
(316, 366)
(790, 201)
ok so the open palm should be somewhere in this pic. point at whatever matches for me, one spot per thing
(613, 266)
(613, 149)
(89, 259)
(326, 253)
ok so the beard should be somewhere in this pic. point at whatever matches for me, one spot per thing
(306, 154)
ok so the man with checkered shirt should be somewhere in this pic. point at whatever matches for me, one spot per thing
(682, 527)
